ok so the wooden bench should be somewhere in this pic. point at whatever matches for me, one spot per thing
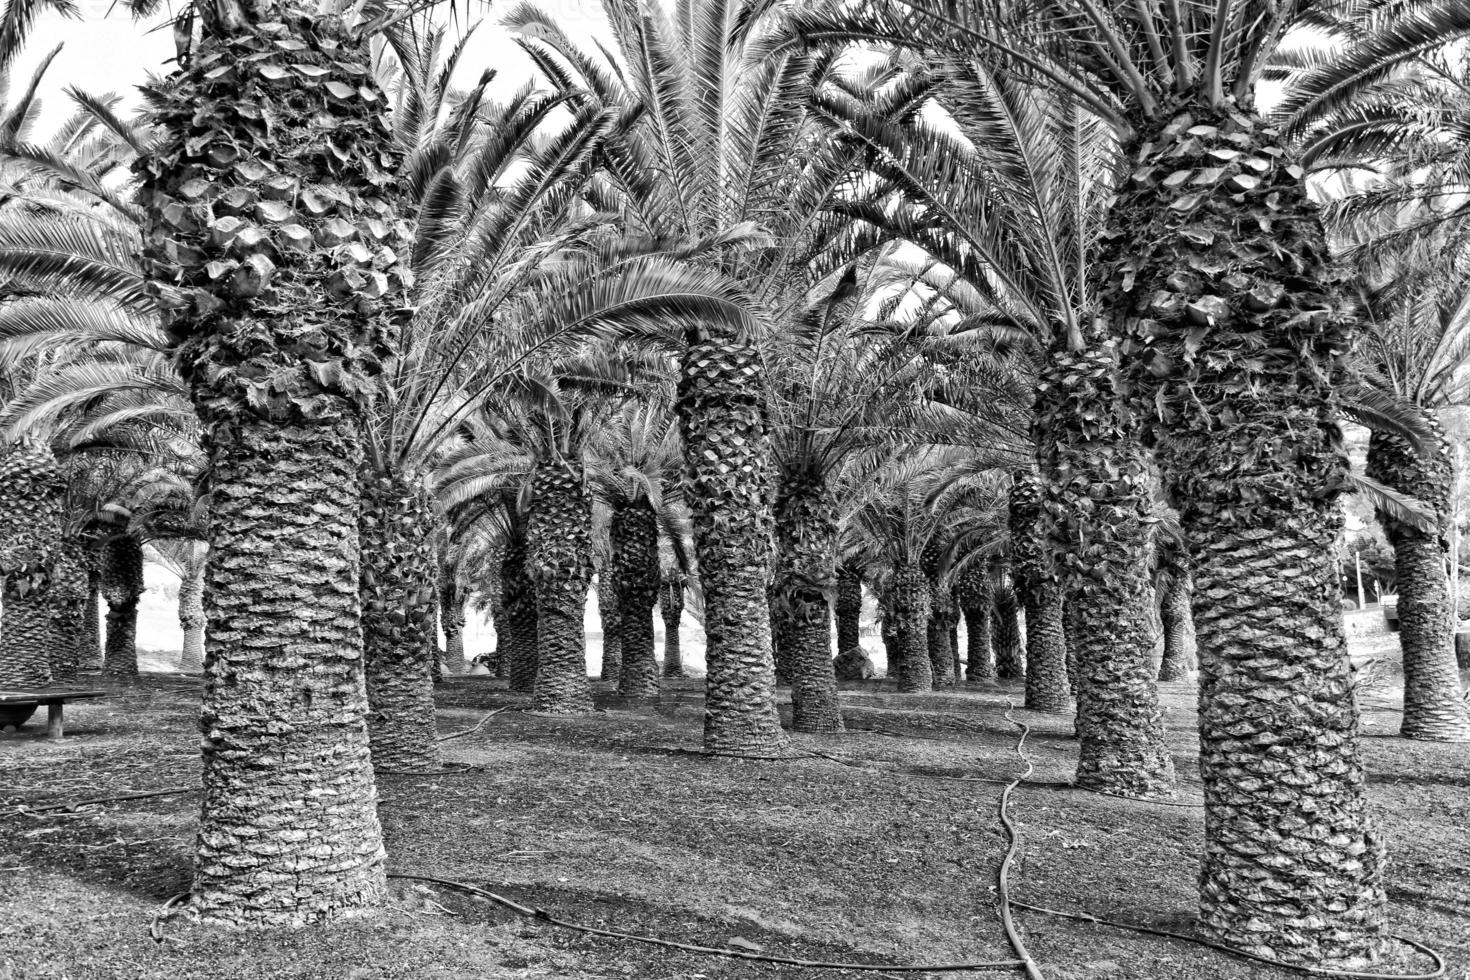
(17, 706)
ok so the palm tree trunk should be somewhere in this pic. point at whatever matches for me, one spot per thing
(671, 608)
(1047, 686)
(289, 831)
(849, 608)
(1096, 500)
(635, 571)
(122, 587)
(191, 612)
(279, 340)
(942, 613)
(911, 628)
(972, 592)
(1178, 620)
(1223, 290)
(782, 632)
(65, 593)
(610, 614)
(559, 556)
(888, 632)
(1033, 565)
(806, 572)
(90, 644)
(33, 640)
(517, 643)
(26, 640)
(1434, 705)
(400, 603)
(1010, 655)
(452, 622)
(979, 653)
(727, 450)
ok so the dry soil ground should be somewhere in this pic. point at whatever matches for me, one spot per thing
(611, 820)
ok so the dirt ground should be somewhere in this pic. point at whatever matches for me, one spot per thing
(611, 821)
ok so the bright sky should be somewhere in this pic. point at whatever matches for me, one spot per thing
(105, 52)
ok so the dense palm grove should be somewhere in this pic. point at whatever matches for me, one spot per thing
(995, 313)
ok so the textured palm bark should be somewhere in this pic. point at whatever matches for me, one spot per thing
(888, 633)
(1041, 596)
(191, 614)
(610, 615)
(65, 594)
(275, 251)
(783, 628)
(911, 629)
(26, 641)
(942, 613)
(979, 652)
(727, 451)
(289, 831)
(559, 559)
(635, 571)
(1010, 656)
(517, 644)
(1047, 686)
(122, 587)
(849, 608)
(400, 602)
(972, 593)
(1216, 273)
(31, 495)
(451, 621)
(1096, 503)
(671, 609)
(1178, 620)
(1434, 706)
(90, 643)
(806, 574)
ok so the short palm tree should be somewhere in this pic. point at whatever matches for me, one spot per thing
(725, 164)
(633, 469)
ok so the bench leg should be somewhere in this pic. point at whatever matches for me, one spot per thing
(53, 721)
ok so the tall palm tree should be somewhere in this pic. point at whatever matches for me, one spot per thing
(1416, 340)
(1012, 204)
(1221, 302)
(1400, 150)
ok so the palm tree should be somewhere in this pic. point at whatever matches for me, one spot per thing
(186, 558)
(844, 391)
(1397, 144)
(634, 472)
(1012, 204)
(1041, 597)
(931, 500)
(708, 171)
(848, 607)
(674, 579)
(1224, 307)
(31, 491)
(1175, 585)
(974, 597)
(1010, 649)
(1415, 341)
